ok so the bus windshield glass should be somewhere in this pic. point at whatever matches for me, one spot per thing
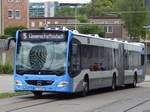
(41, 53)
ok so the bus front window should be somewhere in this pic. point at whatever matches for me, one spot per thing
(47, 58)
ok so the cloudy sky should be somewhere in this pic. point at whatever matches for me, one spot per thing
(64, 1)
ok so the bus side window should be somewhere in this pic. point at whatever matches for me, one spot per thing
(75, 57)
(142, 59)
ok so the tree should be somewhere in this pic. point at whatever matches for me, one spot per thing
(89, 28)
(11, 31)
(93, 8)
(134, 14)
(65, 11)
(98, 7)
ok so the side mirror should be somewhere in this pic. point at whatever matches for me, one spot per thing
(9, 42)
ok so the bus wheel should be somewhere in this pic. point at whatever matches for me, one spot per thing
(85, 88)
(114, 83)
(37, 93)
(134, 81)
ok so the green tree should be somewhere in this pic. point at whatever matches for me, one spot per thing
(65, 11)
(93, 8)
(11, 31)
(89, 28)
(134, 14)
(83, 19)
(98, 7)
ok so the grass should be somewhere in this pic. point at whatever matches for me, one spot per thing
(8, 95)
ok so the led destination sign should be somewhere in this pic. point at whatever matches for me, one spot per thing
(42, 36)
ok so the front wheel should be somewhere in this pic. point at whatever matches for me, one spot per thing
(85, 89)
(37, 93)
(134, 81)
(114, 83)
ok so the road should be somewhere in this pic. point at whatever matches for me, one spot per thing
(103, 100)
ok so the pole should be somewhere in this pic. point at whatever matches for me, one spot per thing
(93, 7)
(146, 50)
(75, 17)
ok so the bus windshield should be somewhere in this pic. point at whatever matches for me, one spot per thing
(41, 57)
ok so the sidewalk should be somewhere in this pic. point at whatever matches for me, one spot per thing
(6, 83)
(147, 78)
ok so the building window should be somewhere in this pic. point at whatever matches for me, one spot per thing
(17, 14)
(56, 22)
(48, 22)
(10, 13)
(40, 24)
(32, 24)
(17, 0)
(108, 29)
(10, 0)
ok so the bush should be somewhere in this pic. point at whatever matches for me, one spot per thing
(1, 69)
(4, 36)
(12, 30)
(91, 29)
(7, 69)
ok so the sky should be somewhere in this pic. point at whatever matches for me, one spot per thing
(63, 1)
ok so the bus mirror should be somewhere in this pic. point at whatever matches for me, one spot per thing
(9, 42)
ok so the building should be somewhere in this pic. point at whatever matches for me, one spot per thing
(13, 13)
(47, 9)
(50, 9)
(112, 25)
(0, 17)
(36, 10)
(42, 9)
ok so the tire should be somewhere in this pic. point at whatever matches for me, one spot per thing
(113, 83)
(37, 93)
(85, 89)
(134, 81)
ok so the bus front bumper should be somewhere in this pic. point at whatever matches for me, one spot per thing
(58, 85)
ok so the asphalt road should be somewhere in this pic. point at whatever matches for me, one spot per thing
(103, 100)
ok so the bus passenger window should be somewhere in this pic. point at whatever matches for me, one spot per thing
(75, 57)
(142, 59)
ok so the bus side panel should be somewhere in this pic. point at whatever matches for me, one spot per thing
(78, 80)
(97, 79)
(129, 75)
(141, 75)
(100, 79)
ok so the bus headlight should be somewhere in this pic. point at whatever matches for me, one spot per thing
(18, 83)
(62, 84)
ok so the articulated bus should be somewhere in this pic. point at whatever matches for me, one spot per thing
(64, 61)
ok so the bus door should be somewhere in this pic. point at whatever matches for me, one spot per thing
(121, 64)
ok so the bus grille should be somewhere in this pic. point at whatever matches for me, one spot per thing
(39, 82)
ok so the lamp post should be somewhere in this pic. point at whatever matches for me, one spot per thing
(147, 29)
(76, 6)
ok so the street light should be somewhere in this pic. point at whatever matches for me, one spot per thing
(147, 28)
(76, 14)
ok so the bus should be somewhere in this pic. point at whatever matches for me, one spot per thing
(65, 61)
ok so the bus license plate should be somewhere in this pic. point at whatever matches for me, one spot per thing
(39, 88)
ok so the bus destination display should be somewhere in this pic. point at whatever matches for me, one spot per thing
(42, 36)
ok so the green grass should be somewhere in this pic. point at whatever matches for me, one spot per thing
(8, 95)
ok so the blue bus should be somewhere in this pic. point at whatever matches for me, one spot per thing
(64, 61)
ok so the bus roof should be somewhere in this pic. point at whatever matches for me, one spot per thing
(133, 46)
